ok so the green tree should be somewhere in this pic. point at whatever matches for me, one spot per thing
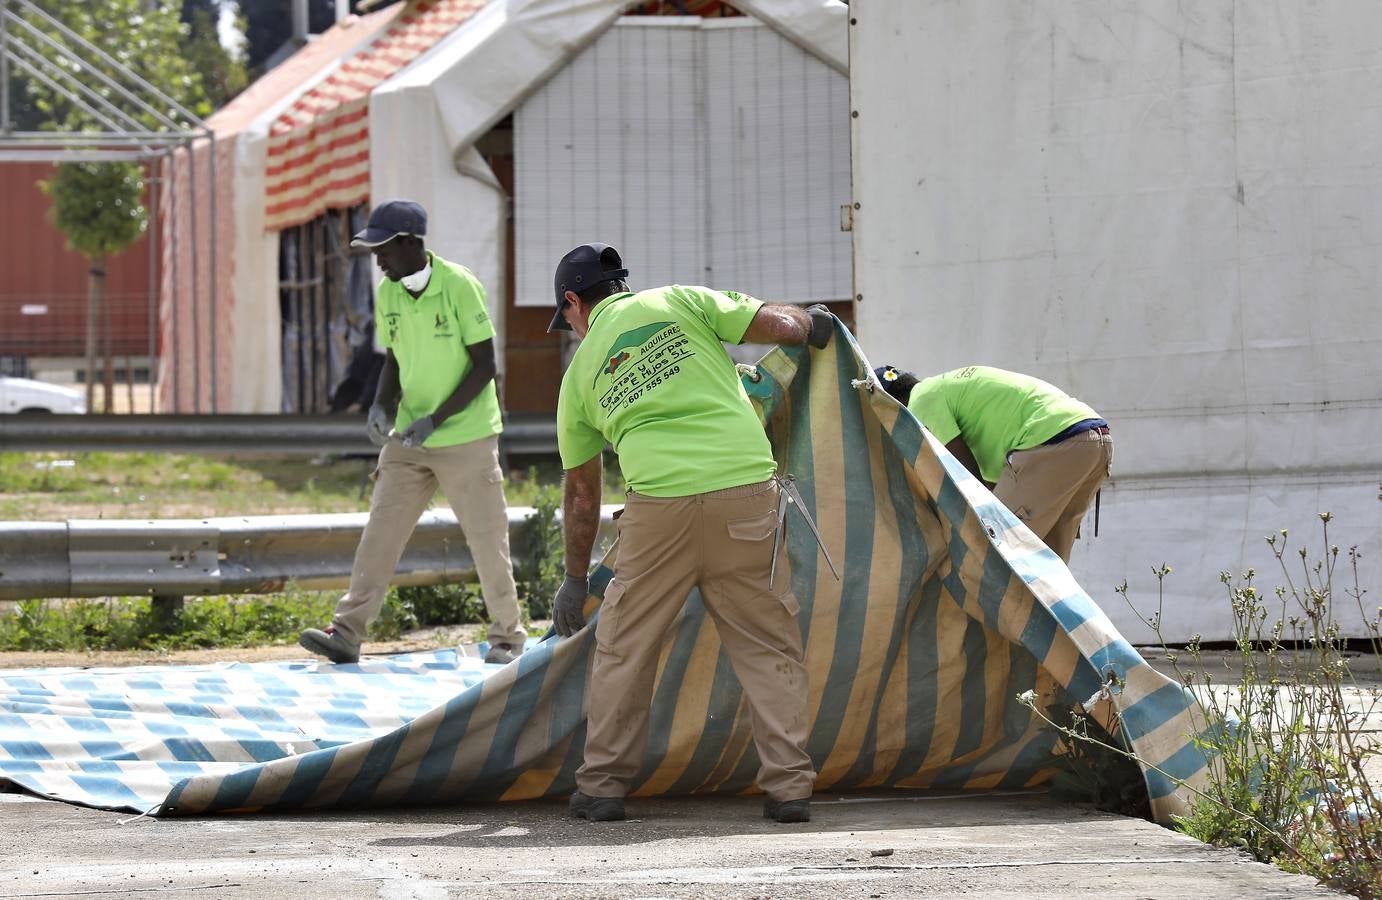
(222, 69)
(98, 206)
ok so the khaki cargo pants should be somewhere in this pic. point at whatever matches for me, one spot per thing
(405, 482)
(1051, 486)
(722, 542)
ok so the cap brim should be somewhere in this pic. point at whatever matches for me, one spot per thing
(559, 322)
(373, 237)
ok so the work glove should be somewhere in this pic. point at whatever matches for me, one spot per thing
(822, 325)
(568, 606)
(418, 432)
(379, 425)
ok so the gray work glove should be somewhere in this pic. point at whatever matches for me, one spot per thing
(568, 606)
(418, 432)
(822, 325)
(379, 425)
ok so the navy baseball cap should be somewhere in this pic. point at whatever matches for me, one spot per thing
(582, 269)
(390, 219)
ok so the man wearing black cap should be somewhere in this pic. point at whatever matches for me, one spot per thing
(651, 376)
(1042, 452)
(436, 416)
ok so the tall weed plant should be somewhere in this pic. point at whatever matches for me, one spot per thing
(1283, 719)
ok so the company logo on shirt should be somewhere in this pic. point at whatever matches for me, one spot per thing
(391, 322)
(616, 361)
(440, 322)
(640, 361)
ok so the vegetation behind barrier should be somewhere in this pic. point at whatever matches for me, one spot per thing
(1284, 731)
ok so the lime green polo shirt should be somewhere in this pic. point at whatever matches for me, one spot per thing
(995, 411)
(428, 336)
(653, 379)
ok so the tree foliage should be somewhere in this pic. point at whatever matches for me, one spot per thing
(98, 206)
(222, 69)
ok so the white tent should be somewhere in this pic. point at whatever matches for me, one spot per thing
(425, 121)
(1170, 210)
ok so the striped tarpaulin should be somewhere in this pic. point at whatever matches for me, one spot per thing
(948, 608)
(318, 154)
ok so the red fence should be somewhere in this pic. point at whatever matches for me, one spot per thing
(43, 285)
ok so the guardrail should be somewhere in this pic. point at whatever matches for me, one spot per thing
(524, 435)
(173, 558)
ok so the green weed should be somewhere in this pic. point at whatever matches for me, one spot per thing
(1283, 734)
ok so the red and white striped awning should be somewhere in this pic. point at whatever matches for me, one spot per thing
(318, 155)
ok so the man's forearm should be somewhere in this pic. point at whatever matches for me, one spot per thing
(580, 510)
(778, 324)
(390, 389)
(469, 388)
(481, 373)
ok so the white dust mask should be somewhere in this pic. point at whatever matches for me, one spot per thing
(418, 280)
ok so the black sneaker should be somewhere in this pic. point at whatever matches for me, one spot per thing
(597, 809)
(787, 811)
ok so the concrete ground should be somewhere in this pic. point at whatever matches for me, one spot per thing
(890, 845)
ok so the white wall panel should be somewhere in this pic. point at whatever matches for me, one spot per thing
(1169, 209)
(707, 152)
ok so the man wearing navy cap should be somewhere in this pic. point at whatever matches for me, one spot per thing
(436, 416)
(651, 376)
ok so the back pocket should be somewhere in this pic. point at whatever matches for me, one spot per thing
(753, 528)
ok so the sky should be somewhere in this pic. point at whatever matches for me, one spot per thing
(230, 35)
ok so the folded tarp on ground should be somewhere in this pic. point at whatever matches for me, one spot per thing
(947, 610)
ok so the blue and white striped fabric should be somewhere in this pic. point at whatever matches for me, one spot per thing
(947, 610)
(123, 738)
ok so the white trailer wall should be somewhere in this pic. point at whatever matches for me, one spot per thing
(1173, 211)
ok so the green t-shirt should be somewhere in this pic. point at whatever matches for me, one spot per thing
(995, 411)
(652, 377)
(428, 337)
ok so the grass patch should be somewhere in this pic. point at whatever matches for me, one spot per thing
(49, 487)
(54, 486)
(135, 623)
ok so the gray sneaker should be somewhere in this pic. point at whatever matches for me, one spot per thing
(330, 644)
(503, 654)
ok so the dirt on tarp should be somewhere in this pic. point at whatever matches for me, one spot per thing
(464, 637)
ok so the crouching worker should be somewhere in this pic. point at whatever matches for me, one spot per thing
(436, 415)
(652, 377)
(1042, 452)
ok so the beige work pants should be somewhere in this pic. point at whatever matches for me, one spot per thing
(723, 542)
(405, 482)
(1050, 487)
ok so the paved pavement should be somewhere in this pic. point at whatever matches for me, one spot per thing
(890, 845)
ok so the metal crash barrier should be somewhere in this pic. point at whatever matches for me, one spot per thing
(524, 435)
(173, 558)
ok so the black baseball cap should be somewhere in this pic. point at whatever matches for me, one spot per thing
(390, 219)
(582, 269)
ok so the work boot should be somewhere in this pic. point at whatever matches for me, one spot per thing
(597, 809)
(787, 811)
(327, 642)
(503, 654)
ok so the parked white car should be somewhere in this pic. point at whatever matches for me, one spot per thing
(27, 395)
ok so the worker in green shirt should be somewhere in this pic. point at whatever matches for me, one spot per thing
(1042, 452)
(436, 416)
(651, 376)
